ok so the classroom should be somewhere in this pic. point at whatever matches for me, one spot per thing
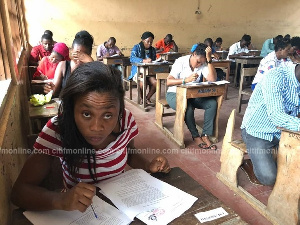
(23, 22)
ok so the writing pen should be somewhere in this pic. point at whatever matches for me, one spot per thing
(91, 203)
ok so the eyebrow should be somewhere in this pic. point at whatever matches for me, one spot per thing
(104, 107)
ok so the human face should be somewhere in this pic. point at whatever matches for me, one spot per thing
(47, 44)
(167, 40)
(55, 57)
(110, 44)
(96, 116)
(245, 43)
(148, 42)
(285, 52)
(197, 60)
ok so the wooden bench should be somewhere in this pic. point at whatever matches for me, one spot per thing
(246, 72)
(283, 206)
(161, 102)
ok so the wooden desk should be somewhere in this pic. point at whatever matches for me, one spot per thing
(223, 64)
(170, 56)
(178, 178)
(244, 60)
(118, 60)
(147, 69)
(40, 114)
(185, 92)
(223, 54)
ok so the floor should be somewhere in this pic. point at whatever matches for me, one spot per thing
(201, 165)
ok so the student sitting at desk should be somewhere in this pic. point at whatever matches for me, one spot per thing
(240, 48)
(269, 45)
(42, 50)
(81, 53)
(48, 64)
(108, 48)
(274, 59)
(187, 69)
(218, 44)
(90, 136)
(166, 44)
(143, 52)
(274, 103)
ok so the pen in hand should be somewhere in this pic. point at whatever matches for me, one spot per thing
(91, 204)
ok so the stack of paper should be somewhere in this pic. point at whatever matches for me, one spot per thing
(135, 194)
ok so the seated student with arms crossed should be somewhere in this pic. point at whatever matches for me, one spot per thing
(184, 70)
(92, 118)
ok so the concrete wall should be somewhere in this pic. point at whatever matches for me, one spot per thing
(128, 19)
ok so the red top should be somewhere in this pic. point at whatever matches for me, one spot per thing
(161, 44)
(45, 67)
(38, 52)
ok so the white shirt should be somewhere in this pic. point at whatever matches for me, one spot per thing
(267, 63)
(181, 69)
(236, 49)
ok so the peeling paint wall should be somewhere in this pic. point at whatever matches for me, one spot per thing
(128, 19)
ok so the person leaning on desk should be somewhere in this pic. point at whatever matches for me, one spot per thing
(274, 103)
(187, 69)
(90, 136)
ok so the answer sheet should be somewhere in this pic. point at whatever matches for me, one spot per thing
(107, 215)
(136, 192)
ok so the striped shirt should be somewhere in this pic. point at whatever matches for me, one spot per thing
(267, 63)
(110, 161)
(273, 103)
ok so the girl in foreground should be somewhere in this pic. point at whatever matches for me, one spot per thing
(90, 136)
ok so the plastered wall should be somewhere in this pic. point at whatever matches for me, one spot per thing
(128, 19)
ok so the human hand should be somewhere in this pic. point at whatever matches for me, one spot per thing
(43, 77)
(148, 60)
(192, 78)
(79, 197)
(48, 87)
(159, 164)
(208, 51)
(80, 57)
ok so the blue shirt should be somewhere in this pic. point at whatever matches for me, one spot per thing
(267, 47)
(136, 57)
(273, 103)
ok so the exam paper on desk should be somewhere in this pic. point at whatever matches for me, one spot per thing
(106, 213)
(136, 191)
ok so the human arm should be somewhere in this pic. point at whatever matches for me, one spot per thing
(175, 47)
(212, 74)
(118, 51)
(55, 85)
(27, 193)
(136, 160)
(135, 56)
(159, 47)
(34, 57)
(40, 71)
(275, 93)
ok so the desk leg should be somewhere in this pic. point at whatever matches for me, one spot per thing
(283, 202)
(181, 104)
(235, 74)
(138, 85)
(227, 78)
(145, 86)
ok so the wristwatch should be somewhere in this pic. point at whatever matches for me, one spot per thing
(210, 61)
(183, 81)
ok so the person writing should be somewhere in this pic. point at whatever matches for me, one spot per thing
(143, 52)
(108, 48)
(48, 64)
(274, 103)
(188, 69)
(90, 136)
(166, 44)
(81, 53)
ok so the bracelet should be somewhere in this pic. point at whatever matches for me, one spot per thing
(183, 81)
